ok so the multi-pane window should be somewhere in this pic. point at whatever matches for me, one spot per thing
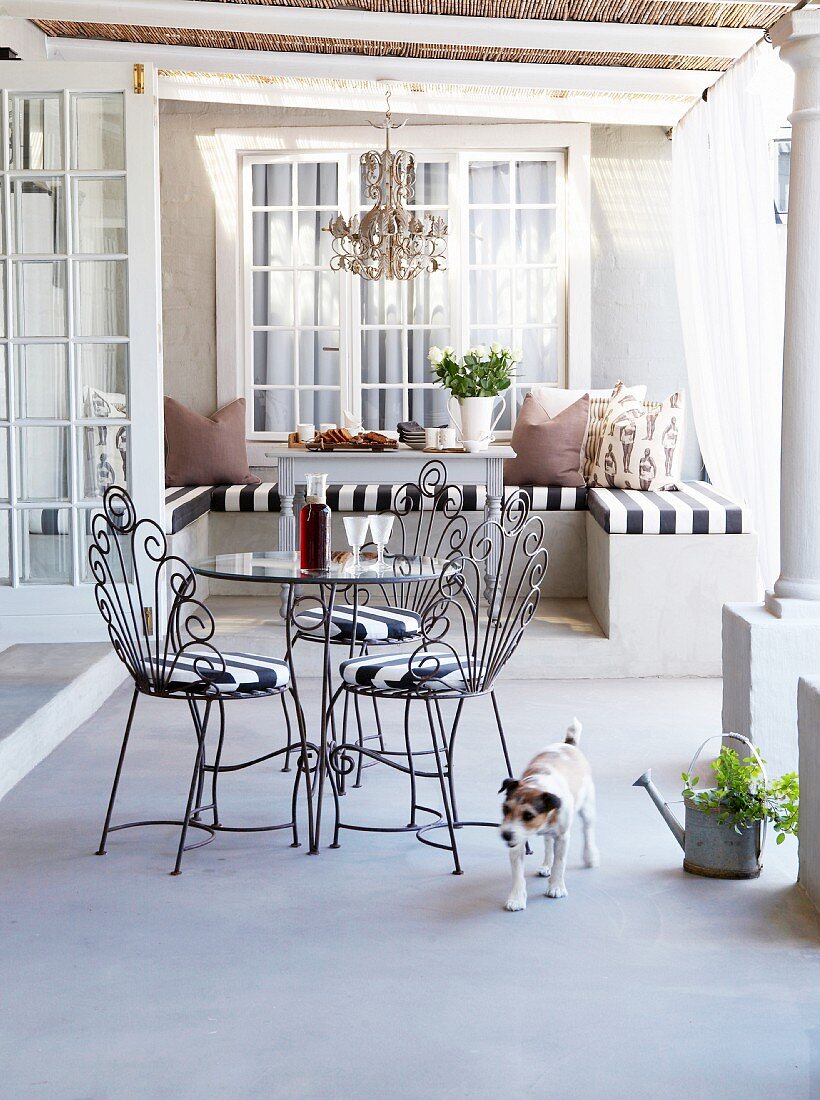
(318, 342)
(514, 262)
(64, 406)
(296, 300)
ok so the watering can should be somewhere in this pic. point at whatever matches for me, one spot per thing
(710, 847)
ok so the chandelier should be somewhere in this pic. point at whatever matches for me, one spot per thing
(389, 241)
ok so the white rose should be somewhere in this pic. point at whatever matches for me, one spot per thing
(481, 351)
(496, 348)
(517, 355)
(449, 352)
(435, 356)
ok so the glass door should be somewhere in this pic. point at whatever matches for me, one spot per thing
(80, 370)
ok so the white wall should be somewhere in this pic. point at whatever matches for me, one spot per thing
(635, 327)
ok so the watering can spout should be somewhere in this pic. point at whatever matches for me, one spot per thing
(645, 780)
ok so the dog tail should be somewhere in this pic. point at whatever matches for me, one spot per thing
(573, 733)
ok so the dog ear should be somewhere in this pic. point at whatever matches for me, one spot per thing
(508, 786)
(548, 802)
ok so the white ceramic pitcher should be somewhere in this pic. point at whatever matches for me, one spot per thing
(477, 418)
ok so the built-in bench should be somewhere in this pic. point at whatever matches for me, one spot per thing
(658, 599)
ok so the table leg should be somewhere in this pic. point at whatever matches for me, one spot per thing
(303, 766)
(328, 599)
(287, 518)
(492, 512)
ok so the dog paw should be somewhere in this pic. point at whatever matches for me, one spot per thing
(591, 857)
(544, 871)
(515, 904)
(556, 890)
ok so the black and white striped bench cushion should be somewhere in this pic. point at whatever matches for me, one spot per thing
(406, 670)
(184, 505)
(697, 509)
(373, 624)
(242, 672)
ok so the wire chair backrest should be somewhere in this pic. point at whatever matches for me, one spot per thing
(482, 634)
(134, 578)
(429, 521)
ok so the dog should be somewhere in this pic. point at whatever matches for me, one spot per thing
(556, 784)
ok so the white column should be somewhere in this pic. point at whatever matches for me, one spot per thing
(798, 35)
(766, 649)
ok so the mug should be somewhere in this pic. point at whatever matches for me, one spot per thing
(447, 439)
(431, 438)
(306, 432)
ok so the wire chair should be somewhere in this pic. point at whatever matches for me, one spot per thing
(465, 646)
(429, 521)
(172, 657)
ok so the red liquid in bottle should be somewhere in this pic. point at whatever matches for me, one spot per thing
(314, 535)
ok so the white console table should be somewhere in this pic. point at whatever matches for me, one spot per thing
(389, 467)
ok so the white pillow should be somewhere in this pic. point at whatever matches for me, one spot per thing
(554, 401)
(641, 446)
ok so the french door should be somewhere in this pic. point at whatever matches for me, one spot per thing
(80, 345)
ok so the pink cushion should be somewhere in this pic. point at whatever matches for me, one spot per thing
(548, 448)
(206, 450)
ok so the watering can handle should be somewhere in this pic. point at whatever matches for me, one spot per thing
(759, 761)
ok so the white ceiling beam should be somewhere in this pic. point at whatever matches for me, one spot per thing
(361, 26)
(580, 78)
(664, 112)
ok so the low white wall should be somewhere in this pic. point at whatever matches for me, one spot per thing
(808, 721)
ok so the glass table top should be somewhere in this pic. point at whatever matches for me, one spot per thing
(284, 566)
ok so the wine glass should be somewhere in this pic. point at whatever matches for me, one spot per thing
(381, 527)
(356, 531)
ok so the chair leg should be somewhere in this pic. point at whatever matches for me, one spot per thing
(117, 773)
(201, 782)
(217, 761)
(286, 765)
(448, 748)
(445, 794)
(295, 842)
(501, 734)
(196, 778)
(411, 824)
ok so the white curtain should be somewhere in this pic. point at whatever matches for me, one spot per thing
(730, 278)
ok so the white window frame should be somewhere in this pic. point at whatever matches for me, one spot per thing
(458, 142)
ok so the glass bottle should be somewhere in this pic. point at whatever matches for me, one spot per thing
(314, 524)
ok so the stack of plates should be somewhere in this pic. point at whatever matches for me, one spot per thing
(412, 434)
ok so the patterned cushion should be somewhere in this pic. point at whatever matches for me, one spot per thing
(640, 449)
(597, 426)
(553, 498)
(372, 497)
(405, 670)
(243, 671)
(373, 624)
(696, 509)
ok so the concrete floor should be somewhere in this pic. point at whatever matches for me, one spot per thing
(373, 972)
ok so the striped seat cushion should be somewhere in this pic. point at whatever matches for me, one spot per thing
(373, 624)
(385, 672)
(184, 505)
(242, 672)
(697, 509)
(246, 498)
(375, 497)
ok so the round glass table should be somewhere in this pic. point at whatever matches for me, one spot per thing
(310, 596)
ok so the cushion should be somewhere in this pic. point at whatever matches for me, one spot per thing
(243, 671)
(697, 509)
(556, 400)
(641, 447)
(206, 450)
(183, 506)
(549, 449)
(373, 624)
(394, 672)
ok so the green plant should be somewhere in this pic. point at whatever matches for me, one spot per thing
(483, 372)
(741, 796)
